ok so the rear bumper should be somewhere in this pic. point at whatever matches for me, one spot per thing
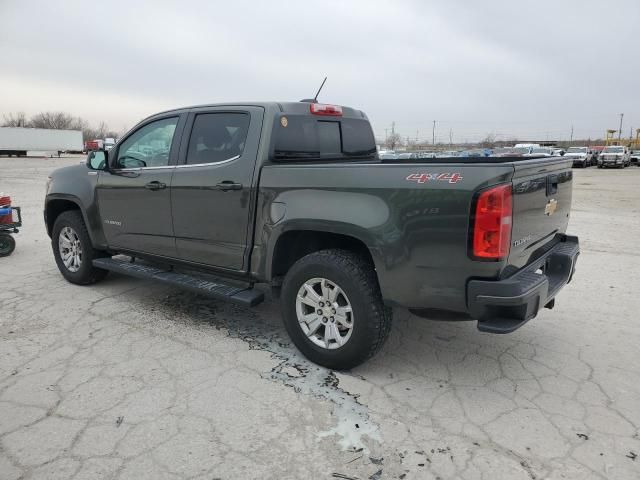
(502, 306)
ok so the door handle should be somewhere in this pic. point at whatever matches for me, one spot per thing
(155, 185)
(228, 185)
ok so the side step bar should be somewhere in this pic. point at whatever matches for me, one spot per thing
(241, 295)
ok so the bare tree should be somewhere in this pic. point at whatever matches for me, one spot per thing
(53, 120)
(102, 130)
(489, 140)
(18, 119)
(394, 140)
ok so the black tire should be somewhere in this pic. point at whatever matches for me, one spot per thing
(87, 273)
(357, 279)
(7, 244)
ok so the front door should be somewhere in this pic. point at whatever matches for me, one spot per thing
(212, 192)
(134, 195)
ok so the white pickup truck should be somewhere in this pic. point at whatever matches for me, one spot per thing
(581, 156)
(614, 156)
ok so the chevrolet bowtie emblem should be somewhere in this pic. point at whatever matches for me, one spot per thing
(551, 206)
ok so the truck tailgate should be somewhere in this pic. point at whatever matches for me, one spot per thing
(542, 191)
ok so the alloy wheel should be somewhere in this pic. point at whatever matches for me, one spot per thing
(324, 313)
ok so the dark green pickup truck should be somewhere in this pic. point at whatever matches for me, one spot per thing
(219, 198)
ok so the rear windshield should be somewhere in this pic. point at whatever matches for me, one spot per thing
(308, 137)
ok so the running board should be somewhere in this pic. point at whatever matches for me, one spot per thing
(246, 296)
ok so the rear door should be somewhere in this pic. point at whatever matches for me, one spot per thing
(542, 191)
(212, 190)
(134, 195)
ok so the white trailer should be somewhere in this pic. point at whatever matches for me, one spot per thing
(18, 141)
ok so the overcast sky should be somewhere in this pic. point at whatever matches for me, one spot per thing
(504, 67)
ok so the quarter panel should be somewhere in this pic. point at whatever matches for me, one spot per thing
(416, 232)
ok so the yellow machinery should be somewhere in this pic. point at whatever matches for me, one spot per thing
(610, 138)
(635, 143)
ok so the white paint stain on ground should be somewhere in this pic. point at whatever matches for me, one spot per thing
(353, 424)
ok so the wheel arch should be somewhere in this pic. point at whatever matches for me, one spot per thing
(58, 204)
(292, 245)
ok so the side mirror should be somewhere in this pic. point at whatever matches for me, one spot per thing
(97, 160)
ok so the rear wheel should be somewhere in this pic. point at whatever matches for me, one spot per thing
(333, 310)
(7, 244)
(73, 251)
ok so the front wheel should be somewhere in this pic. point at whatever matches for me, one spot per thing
(333, 310)
(73, 250)
(7, 244)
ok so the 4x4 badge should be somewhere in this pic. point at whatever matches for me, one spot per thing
(551, 206)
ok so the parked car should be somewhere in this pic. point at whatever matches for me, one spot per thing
(450, 154)
(597, 150)
(614, 156)
(388, 156)
(540, 152)
(478, 152)
(109, 143)
(524, 148)
(294, 196)
(634, 158)
(407, 156)
(581, 156)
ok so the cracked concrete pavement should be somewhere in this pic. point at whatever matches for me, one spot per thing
(130, 379)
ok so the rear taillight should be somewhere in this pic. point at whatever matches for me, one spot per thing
(327, 110)
(492, 223)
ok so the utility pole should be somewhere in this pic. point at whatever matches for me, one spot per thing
(393, 136)
(433, 134)
(571, 134)
(620, 131)
(450, 137)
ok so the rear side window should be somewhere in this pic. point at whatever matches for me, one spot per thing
(357, 137)
(306, 137)
(217, 136)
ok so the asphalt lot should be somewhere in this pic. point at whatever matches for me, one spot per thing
(131, 379)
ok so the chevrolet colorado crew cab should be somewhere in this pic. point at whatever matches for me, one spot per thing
(219, 198)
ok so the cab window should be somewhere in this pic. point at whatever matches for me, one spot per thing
(216, 137)
(149, 146)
